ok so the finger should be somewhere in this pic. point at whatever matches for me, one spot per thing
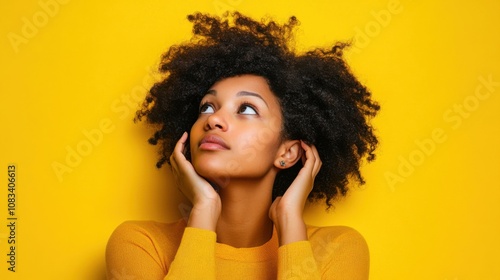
(313, 161)
(181, 144)
(177, 158)
(177, 155)
(303, 156)
(308, 157)
(317, 163)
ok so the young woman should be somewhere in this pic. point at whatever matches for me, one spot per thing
(252, 130)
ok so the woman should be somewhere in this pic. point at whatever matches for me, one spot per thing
(251, 130)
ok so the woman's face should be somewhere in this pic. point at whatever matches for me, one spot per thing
(238, 131)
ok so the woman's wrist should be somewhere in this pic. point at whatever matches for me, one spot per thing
(204, 217)
(291, 228)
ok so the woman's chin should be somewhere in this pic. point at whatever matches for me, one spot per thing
(212, 172)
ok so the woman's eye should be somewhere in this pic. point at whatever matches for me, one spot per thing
(247, 110)
(206, 109)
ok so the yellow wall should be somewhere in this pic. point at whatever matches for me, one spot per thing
(73, 71)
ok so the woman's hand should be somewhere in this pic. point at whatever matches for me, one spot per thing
(206, 201)
(286, 211)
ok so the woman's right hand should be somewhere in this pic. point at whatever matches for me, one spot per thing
(206, 201)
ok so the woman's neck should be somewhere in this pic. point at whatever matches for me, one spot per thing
(244, 220)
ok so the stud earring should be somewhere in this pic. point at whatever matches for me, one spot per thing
(282, 163)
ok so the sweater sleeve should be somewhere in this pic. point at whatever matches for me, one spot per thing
(131, 254)
(328, 254)
(195, 258)
(296, 261)
(137, 251)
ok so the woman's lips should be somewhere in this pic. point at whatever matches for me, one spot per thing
(213, 142)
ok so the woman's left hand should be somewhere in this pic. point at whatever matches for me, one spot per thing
(286, 211)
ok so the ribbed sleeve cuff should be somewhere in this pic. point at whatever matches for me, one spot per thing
(296, 261)
(195, 258)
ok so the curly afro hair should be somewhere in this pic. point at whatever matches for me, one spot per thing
(322, 102)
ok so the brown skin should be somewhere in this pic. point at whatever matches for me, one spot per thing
(236, 143)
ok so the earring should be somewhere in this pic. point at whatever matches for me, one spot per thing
(282, 163)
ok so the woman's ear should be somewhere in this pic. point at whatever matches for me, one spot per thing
(288, 154)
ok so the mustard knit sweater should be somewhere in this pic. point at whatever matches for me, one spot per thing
(151, 250)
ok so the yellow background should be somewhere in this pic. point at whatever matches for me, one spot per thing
(78, 68)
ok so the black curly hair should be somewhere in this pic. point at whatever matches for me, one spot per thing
(322, 102)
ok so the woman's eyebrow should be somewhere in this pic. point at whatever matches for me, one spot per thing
(249, 93)
(241, 93)
(211, 91)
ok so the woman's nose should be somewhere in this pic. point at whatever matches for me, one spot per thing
(216, 121)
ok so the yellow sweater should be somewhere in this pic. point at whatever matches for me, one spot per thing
(151, 250)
